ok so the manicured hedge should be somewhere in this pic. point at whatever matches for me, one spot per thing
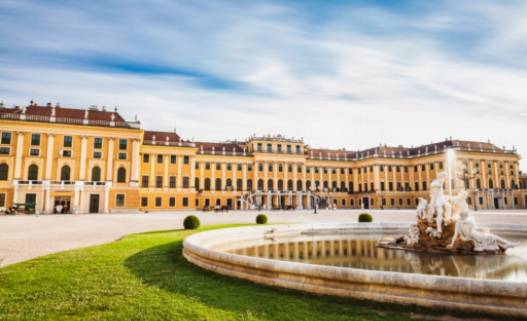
(261, 219)
(191, 222)
(365, 218)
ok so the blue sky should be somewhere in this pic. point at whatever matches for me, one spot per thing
(347, 74)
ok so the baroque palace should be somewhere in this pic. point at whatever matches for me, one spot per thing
(91, 160)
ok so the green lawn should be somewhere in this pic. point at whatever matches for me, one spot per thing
(145, 277)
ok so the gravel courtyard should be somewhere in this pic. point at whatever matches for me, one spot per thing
(23, 237)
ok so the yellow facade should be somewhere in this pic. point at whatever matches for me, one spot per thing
(93, 161)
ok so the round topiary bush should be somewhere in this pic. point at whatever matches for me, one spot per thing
(365, 218)
(191, 222)
(261, 219)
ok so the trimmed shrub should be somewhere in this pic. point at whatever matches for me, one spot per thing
(191, 222)
(261, 219)
(365, 218)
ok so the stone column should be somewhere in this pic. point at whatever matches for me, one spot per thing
(244, 178)
(179, 175)
(201, 175)
(49, 156)
(193, 173)
(84, 151)
(109, 164)
(135, 161)
(18, 155)
(107, 186)
(166, 179)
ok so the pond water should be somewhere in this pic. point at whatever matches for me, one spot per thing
(360, 251)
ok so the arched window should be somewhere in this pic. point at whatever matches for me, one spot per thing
(196, 183)
(218, 184)
(260, 185)
(280, 185)
(270, 185)
(317, 185)
(478, 183)
(32, 172)
(350, 187)
(334, 186)
(65, 173)
(343, 187)
(207, 184)
(249, 184)
(4, 172)
(308, 185)
(503, 184)
(290, 185)
(491, 184)
(326, 185)
(239, 184)
(96, 174)
(121, 175)
(229, 183)
(298, 185)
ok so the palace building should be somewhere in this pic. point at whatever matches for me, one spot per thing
(57, 159)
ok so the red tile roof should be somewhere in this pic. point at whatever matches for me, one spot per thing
(161, 137)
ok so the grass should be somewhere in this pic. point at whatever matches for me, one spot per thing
(145, 277)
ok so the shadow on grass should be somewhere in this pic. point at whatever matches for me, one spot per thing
(165, 267)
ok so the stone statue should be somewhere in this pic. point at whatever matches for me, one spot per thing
(439, 205)
(445, 225)
(484, 241)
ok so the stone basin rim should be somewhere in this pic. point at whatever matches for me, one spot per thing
(508, 297)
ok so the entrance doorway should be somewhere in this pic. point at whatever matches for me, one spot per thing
(496, 202)
(62, 204)
(94, 203)
(31, 201)
(229, 203)
(366, 202)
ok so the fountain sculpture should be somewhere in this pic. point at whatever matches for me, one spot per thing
(445, 223)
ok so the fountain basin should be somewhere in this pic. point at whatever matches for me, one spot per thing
(217, 251)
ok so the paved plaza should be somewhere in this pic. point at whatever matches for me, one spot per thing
(23, 237)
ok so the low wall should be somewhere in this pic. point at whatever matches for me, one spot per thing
(207, 250)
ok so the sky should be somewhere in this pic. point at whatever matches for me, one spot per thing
(340, 74)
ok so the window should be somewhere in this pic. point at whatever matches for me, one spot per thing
(66, 153)
(2, 199)
(144, 181)
(122, 156)
(249, 184)
(279, 149)
(298, 149)
(173, 159)
(123, 144)
(186, 181)
(280, 169)
(146, 158)
(97, 155)
(259, 147)
(424, 186)
(172, 201)
(218, 184)
(260, 167)
(32, 172)
(172, 182)
(229, 166)
(68, 141)
(270, 167)
(239, 184)
(4, 171)
(159, 159)
(218, 166)
(6, 138)
(196, 165)
(207, 165)
(239, 167)
(4, 150)
(97, 143)
(269, 147)
(35, 139)
(34, 152)
(185, 159)
(289, 149)
(207, 184)
(65, 173)
(185, 201)
(159, 181)
(119, 200)
(159, 201)
(121, 175)
(144, 201)
(96, 174)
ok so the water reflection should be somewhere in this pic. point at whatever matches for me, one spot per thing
(363, 254)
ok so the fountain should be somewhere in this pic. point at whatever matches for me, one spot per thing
(445, 261)
(445, 224)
